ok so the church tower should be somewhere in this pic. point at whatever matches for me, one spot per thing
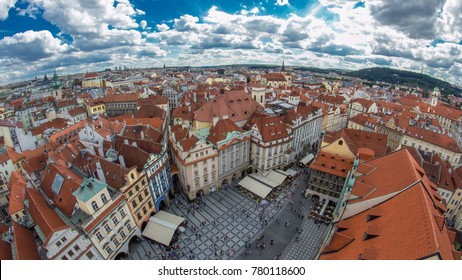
(435, 96)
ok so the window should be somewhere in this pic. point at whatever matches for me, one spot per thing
(115, 240)
(114, 220)
(108, 248)
(71, 253)
(122, 213)
(64, 258)
(76, 248)
(90, 255)
(103, 198)
(99, 236)
(58, 243)
(107, 227)
(94, 205)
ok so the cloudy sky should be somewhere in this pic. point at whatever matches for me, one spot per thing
(37, 36)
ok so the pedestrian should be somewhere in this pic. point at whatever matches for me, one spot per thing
(271, 242)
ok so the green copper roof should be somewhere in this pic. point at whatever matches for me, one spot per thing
(88, 189)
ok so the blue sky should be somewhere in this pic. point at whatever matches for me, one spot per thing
(38, 36)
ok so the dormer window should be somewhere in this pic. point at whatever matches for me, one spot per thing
(94, 205)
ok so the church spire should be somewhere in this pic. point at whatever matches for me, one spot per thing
(282, 68)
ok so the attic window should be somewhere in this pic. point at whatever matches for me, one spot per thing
(233, 114)
(368, 236)
(340, 142)
(371, 217)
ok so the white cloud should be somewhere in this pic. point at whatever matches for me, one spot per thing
(162, 27)
(254, 10)
(5, 6)
(143, 24)
(31, 46)
(282, 2)
(105, 33)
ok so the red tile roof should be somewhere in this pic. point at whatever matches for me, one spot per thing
(5, 247)
(114, 174)
(277, 77)
(220, 130)
(24, 242)
(77, 111)
(393, 177)
(236, 105)
(150, 111)
(332, 164)
(17, 187)
(405, 229)
(13, 155)
(91, 75)
(134, 156)
(444, 110)
(56, 123)
(435, 138)
(44, 216)
(271, 128)
(366, 103)
(64, 200)
(356, 139)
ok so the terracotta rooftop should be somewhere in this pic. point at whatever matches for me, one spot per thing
(278, 77)
(435, 138)
(156, 123)
(143, 133)
(91, 75)
(447, 112)
(5, 247)
(134, 156)
(121, 98)
(146, 145)
(236, 105)
(77, 111)
(220, 130)
(57, 123)
(364, 102)
(17, 187)
(24, 242)
(114, 174)
(58, 183)
(356, 139)
(332, 164)
(271, 128)
(393, 177)
(44, 216)
(405, 227)
(150, 111)
(13, 155)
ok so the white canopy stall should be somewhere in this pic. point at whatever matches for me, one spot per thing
(162, 226)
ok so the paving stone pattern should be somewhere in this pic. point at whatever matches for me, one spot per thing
(232, 220)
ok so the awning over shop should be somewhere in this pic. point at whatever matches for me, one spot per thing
(264, 180)
(277, 176)
(291, 172)
(162, 226)
(255, 186)
(307, 159)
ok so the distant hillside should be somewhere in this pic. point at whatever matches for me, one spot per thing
(407, 78)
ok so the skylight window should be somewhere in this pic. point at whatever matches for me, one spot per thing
(57, 184)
